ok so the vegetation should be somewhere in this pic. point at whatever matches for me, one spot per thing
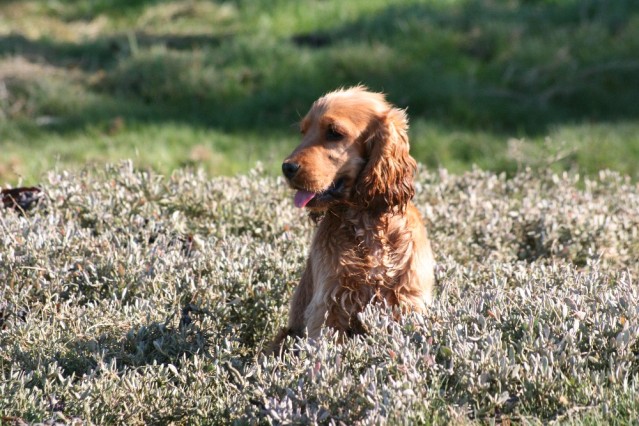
(131, 298)
(220, 85)
(145, 293)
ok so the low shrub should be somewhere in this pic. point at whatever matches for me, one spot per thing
(133, 298)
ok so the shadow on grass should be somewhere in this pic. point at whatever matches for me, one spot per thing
(101, 53)
(87, 9)
(513, 68)
(155, 343)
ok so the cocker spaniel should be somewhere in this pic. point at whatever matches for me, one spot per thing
(354, 173)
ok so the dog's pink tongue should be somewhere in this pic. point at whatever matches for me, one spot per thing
(302, 198)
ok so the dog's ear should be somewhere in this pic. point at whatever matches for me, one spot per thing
(387, 178)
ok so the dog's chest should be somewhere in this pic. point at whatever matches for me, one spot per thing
(357, 252)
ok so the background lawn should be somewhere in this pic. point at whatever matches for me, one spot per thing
(221, 85)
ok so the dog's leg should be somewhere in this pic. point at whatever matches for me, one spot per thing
(301, 298)
(296, 321)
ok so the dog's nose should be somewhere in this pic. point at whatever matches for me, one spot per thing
(289, 169)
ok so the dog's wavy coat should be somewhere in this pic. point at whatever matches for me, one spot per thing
(353, 171)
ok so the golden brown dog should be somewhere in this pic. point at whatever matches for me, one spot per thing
(354, 170)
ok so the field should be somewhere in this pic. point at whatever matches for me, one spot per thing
(132, 298)
(221, 85)
(145, 286)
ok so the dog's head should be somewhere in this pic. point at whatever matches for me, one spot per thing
(354, 150)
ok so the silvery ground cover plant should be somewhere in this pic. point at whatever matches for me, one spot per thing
(129, 297)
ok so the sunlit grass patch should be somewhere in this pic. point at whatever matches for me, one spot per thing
(163, 147)
(473, 74)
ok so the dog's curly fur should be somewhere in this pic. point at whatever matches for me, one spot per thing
(370, 245)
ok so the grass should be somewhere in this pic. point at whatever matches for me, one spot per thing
(133, 298)
(221, 84)
(144, 293)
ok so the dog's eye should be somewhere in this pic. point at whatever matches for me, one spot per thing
(332, 134)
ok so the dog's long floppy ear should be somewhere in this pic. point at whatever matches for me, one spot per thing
(387, 178)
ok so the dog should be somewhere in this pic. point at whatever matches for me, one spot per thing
(353, 172)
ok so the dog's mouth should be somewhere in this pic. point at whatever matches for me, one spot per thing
(311, 199)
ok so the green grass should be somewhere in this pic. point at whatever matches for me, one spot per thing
(133, 298)
(157, 80)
